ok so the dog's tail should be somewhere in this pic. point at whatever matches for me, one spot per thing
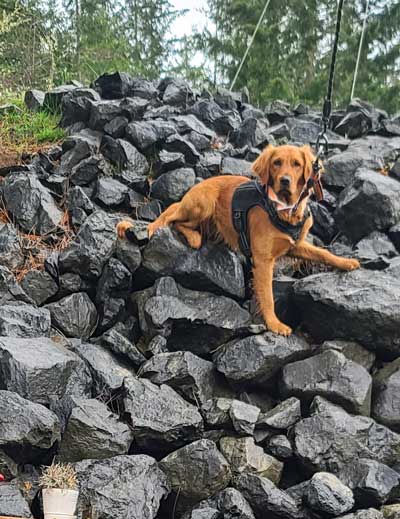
(122, 227)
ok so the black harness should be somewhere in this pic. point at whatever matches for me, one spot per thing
(252, 194)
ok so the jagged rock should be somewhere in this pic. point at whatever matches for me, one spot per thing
(121, 487)
(159, 416)
(34, 100)
(92, 247)
(223, 122)
(370, 203)
(375, 251)
(88, 170)
(168, 161)
(353, 351)
(145, 134)
(134, 108)
(253, 132)
(370, 513)
(24, 362)
(327, 494)
(373, 483)
(178, 144)
(39, 285)
(77, 147)
(116, 127)
(27, 429)
(30, 203)
(11, 255)
(195, 378)
(93, 432)
(76, 106)
(306, 132)
(205, 320)
(280, 447)
(128, 254)
(232, 166)
(341, 168)
(74, 315)
(176, 93)
(265, 497)
(258, 358)
(324, 225)
(114, 86)
(170, 187)
(168, 255)
(386, 395)
(331, 375)
(197, 471)
(102, 113)
(24, 320)
(149, 211)
(108, 372)
(330, 439)
(120, 345)
(278, 111)
(10, 290)
(390, 511)
(12, 501)
(189, 123)
(394, 235)
(53, 98)
(244, 456)
(231, 414)
(283, 416)
(110, 193)
(354, 124)
(352, 306)
(229, 502)
(123, 155)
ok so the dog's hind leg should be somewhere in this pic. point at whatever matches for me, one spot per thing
(193, 236)
(162, 220)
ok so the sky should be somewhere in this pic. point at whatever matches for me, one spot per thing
(194, 17)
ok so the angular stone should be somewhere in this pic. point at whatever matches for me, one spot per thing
(116, 127)
(353, 351)
(40, 368)
(280, 447)
(386, 395)
(88, 170)
(170, 187)
(375, 251)
(93, 432)
(74, 315)
(12, 501)
(253, 132)
(11, 255)
(229, 502)
(10, 290)
(177, 144)
(330, 439)
(244, 456)
(124, 156)
(197, 471)
(39, 285)
(24, 321)
(168, 161)
(369, 513)
(121, 487)
(168, 255)
(332, 376)
(102, 113)
(76, 105)
(223, 122)
(327, 494)
(120, 345)
(283, 416)
(258, 358)
(53, 98)
(159, 416)
(110, 193)
(232, 166)
(341, 168)
(352, 306)
(146, 134)
(34, 100)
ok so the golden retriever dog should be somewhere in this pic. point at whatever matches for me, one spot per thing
(282, 169)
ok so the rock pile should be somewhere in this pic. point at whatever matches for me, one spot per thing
(145, 364)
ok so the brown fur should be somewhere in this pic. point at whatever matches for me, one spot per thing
(210, 203)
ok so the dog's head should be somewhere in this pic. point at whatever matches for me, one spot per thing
(286, 169)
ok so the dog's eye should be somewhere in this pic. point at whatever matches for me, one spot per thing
(277, 162)
(297, 164)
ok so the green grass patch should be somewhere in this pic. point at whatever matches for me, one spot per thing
(24, 131)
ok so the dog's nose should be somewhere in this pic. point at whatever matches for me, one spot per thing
(285, 181)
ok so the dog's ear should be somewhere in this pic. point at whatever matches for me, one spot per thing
(309, 158)
(262, 164)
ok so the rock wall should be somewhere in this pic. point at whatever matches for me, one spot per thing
(145, 363)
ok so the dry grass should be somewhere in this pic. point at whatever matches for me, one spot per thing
(59, 475)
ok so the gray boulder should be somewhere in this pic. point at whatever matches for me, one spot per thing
(74, 315)
(39, 285)
(94, 432)
(38, 369)
(352, 306)
(12, 501)
(353, 351)
(170, 187)
(369, 513)
(386, 395)
(332, 376)
(283, 416)
(121, 487)
(24, 320)
(34, 100)
(11, 255)
(231, 414)
(229, 502)
(258, 358)
(327, 494)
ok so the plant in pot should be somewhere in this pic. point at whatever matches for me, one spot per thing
(59, 491)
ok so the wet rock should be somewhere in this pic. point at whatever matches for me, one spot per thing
(93, 432)
(92, 247)
(341, 168)
(375, 251)
(168, 161)
(159, 416)
(327, 494)
(24, 320)
(39, 285)
(120, 345)
(88, 170)
(27, 429)
(370, 203)
(34, 100)
(110, 193)
(114, 86)
(213, 267)
(74, 315)
(244, 456)
(11, 255)
(223, 122)
(116, 127)
(352, 306)
(12, 501)
(30, 203)
(145, 134)
(195, 378)
(258, 358)
(190, 320)
(177, 144)
(232, 166)
(176, 93)
(197, 471)
(209, 164)
(253, 132)
(283, 416)
(333, 376)
(121, 487)
(39, 368)
(373, 483)
(330, 439)
(265, 497)
(280, 447)
(354, 124)
(170, 187)
(10, 290)
(353, 351)
(386, 395)
(76, 106)
(124, 156)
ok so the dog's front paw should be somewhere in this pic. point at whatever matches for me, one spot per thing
(350, 264)
(279, 328)
(122, 227)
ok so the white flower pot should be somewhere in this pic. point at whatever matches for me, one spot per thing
(59, 503)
